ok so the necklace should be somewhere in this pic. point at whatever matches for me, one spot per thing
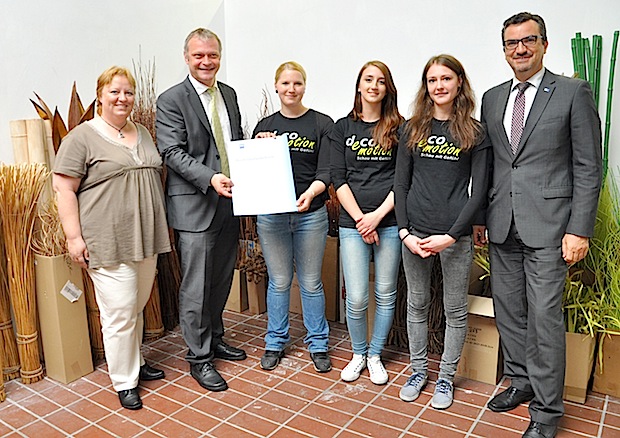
(120, 133)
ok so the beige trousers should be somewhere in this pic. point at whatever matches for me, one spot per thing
(122, 293)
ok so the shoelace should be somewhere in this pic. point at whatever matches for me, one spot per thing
(416, 379)
(443, 387)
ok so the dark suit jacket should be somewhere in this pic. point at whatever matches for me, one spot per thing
(551, 184)
(188, 148)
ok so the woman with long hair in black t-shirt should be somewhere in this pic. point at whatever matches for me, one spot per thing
(441, 150)
(297, 239)
(363, 162)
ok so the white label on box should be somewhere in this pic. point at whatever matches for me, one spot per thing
(71, 292)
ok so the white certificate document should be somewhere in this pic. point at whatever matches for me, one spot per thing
(261, 172)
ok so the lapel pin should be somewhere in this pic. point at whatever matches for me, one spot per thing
(546, 89)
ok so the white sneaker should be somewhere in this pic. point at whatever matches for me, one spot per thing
(378, 375)
(352, 371)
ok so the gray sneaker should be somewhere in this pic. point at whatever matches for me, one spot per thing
(412, 388)
(444, 394)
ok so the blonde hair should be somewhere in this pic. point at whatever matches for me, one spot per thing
(106, 78)
(290, 65)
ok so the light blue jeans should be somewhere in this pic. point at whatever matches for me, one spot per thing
(456, 263)
(355, 255)
(297, 240)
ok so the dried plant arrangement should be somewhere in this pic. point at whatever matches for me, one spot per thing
(2, 391)
(161, 312)
(10, 356)
(20, 188)
(49, 238)
(77, 114)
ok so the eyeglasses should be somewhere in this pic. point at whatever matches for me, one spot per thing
(528, 41)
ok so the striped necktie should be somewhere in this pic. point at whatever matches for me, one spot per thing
(518, 112)
(216, 126)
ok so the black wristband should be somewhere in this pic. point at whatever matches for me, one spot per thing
(402, 239)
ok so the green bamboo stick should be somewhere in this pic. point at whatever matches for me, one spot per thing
(573, 47)
(580, 57)
(598, 46)
(610, 90)
(589, 60)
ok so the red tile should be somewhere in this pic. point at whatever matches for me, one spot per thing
(285, 400)
(370, 428)
(38, 405)
(88, 409)
(228, 431)
(66, 420)
(160, 404)
(285, 432)
(245, 420)
(178, 394)
(328, 415)
(42, 429)
(264, 378)
(491, 430)
(171, 428)
(446, 418)
(312, 427)
(213, 407)
(93, 432)
(610, 432)
(269, 411)
(576, 424)
(119, 426)
(612, 420)
(389, 418)
(16, 417)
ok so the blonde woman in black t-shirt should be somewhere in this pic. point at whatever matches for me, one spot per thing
(441, 150)
(297, 240)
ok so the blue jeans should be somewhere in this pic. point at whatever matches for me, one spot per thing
(355, 256)
(456, 263)
(295, 239)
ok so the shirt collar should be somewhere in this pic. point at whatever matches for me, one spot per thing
(199, 86)
(534, 80)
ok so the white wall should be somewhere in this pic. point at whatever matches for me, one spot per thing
(46, 45)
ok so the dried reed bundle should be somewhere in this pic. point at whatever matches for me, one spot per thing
(144, 109)
(169, 280)
(20, 188)
(94, 321)
(168, 266)
(333, 211)
(153, 325)
(249, 255)
(2, 392)
(49, 239)
(10, 356)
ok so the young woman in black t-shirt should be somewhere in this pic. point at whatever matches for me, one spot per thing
(297, 240)
(441, 149)
(363, 161)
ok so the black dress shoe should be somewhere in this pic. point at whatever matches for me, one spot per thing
(509, 399)
(540, 430)
(130, 399)
(207, 377)
(228, 352)
(147, 373)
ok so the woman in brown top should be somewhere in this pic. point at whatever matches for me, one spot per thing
(107, 177)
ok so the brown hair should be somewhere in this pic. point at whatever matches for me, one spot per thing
(522, 17)
(290, 65)
(462, 126)
(386, 131)
(106, 78)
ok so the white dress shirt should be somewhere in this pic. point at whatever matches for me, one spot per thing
(530, 93)
(205, 98)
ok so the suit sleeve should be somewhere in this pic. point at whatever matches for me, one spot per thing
(172, 144)
(586, 160)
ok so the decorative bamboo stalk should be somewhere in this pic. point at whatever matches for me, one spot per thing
(598, 45)
(573, 46)
(20, 188)
(153, 325)
(610, 90)
(94, 318)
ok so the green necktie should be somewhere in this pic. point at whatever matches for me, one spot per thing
(217, 131)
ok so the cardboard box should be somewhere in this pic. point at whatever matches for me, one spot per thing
(579, 363)
(481, 358)
(607, 378)
(330, 279)
(64, 326)
(257, 293)
(238, 298)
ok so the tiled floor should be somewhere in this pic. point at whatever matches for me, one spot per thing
(291, 401)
